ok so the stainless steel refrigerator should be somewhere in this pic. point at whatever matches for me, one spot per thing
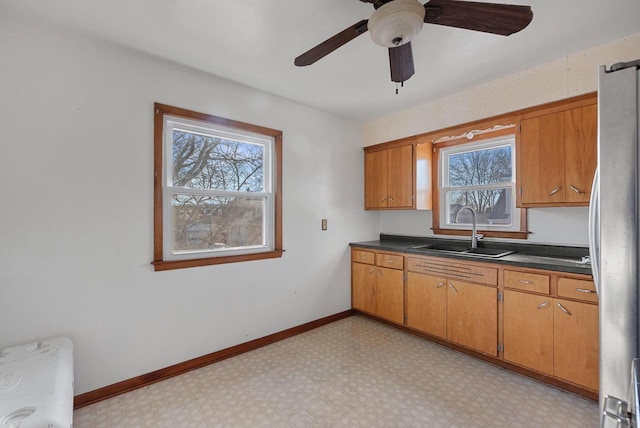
(614, 240)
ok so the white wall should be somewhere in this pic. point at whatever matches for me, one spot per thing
(573, 75)
(76, 189)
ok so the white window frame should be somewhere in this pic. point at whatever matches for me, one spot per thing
(508, 140)
(171, 123)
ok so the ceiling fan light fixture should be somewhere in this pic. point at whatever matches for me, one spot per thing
(396, 23)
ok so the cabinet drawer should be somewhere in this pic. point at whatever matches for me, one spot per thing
(390, 261)
(449, 268)
(360, 256)
(526, 281)
(577, 289)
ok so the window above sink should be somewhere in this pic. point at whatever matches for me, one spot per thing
(474, 166)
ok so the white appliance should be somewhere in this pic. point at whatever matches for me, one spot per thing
(36, 385)
(614, 240)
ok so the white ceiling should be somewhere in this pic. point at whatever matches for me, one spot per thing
(254, 42)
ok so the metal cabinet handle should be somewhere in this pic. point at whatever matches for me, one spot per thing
(525, 281)
(452, 287)
(563, 309)
(440, 285)
(384, 198)
(554, 191)
(543, 304)
(372, 270)
(390, 199)
(575, 189)
(389, 261)
(362, 257)
(584, 290)
(379, 272)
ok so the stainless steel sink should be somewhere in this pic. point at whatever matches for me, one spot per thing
(488, 252)
(492, 253)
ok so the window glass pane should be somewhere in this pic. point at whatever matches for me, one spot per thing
(478, 167)
(493, 206)
(208, 162)
(205, 223)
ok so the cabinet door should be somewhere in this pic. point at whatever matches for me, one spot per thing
(542, 165)
(400, 177)
(427, 304)
(575, 342)
(581, 133)
(528, 330)
(362, 286)
(472, 316)
(389, 294)
(375, 180)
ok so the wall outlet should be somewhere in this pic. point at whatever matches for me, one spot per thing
(324, 224)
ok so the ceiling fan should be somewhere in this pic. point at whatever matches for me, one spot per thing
(394, 23)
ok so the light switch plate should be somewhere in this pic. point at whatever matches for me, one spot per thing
(324, 224)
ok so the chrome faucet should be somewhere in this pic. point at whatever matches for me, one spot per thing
(474, 230)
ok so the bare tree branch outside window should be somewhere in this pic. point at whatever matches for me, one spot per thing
(206, 221)
(481, 179)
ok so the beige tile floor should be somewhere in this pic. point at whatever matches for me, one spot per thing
(352, 373)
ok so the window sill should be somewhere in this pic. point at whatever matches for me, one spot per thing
(160, 265)
(486, 233)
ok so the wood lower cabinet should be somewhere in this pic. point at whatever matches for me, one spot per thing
(388, 294)
(575, 342)
(551, 335)
(472, 316)
(427, 304)
(458, 311)
(375, 289)
(545, 321)
(362, 287)
(528, 330)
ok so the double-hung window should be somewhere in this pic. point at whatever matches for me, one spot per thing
(479, 175)
(217, 190)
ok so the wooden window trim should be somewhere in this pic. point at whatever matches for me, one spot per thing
(159, 264)
(523, 233)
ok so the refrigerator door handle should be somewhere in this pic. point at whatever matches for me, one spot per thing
(594, 230)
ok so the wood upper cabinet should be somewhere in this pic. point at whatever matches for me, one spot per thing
(397, 175)
(389, 178)
(542, 152)
(556, 154)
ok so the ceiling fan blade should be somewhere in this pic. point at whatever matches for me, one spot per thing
(331, 44)
(401, 63)
(503, 19)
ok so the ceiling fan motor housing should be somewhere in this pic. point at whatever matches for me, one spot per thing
(396, 22)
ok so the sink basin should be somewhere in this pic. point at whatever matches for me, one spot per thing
(487, 252)
(440, 247)
(492, 253)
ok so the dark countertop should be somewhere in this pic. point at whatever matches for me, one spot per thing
(550, 257)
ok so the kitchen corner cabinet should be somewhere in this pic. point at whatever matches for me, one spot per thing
(378, 284)
(397, 175)
(556, 154)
